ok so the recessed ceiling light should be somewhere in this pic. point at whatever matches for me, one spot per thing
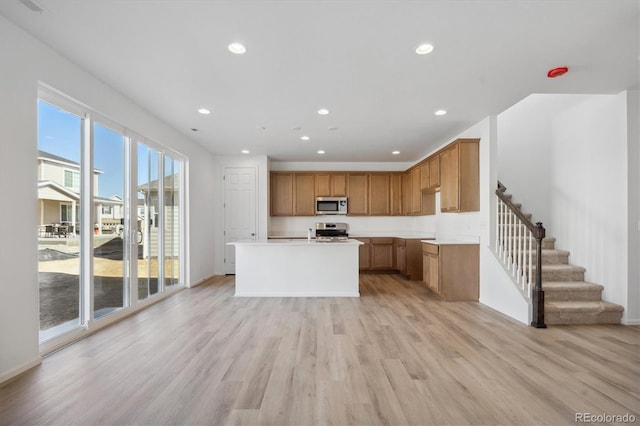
(321, 152)
(237, 48)
(424, 49)
(204, 111)
(323, 111)
(305, 138)
(396, 152)
(440, 112)
(193, 129)
(245, 151)
(333, 128)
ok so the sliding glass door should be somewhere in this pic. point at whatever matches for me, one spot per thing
(59, 196)
(109, 210)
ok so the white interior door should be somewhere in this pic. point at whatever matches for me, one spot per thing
(239, 210)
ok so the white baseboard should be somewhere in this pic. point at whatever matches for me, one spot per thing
(630, 321)
(8, 375)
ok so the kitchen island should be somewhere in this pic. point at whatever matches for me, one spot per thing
(297, 268)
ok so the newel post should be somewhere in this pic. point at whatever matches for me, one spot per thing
(537, 297)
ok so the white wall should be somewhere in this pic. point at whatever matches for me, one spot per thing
(25, 62)
(565, 158)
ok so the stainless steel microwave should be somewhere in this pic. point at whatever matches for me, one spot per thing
(331, 205)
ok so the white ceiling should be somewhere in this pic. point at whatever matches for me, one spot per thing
(356, 58)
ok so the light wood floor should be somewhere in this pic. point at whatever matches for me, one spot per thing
(394, 356)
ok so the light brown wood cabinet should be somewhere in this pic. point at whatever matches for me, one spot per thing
(364, 254)
(416, 192)
(434, 171)
(460, 177)
(331, 185)
(281, 194)
(358, 194)
(452, 270)
(304, 202)
(379, 194)
(424, 175)
(406, 193)
(382, 253)
(396, 194)
(409, 264)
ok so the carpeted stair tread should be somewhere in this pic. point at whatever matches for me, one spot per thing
(581, 306)
(582, 312)
(571, 290)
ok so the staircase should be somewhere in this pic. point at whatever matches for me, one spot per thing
(568, 299)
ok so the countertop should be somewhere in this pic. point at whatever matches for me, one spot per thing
(367, 234)
(450, 242)
(295, 242)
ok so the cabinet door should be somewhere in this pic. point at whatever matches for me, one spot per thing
(401, 259)
(424, 176)
(358, 189)
(364, 254)
(281, 194)
(434, 276)
(406, 193)
(382, 256)
(304, 203)
(396, 194)
(338, 185)
(416, 193)
(379, 194)
(434, 171)
(449, 185)
(323, 185)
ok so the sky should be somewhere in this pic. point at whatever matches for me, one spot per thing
(59, 133)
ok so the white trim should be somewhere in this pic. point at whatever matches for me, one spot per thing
(203, 280)
(10, 374)
(630, 321)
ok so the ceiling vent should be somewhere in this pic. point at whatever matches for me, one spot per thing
(32, 5)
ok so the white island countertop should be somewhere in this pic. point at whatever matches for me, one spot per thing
(294, 241)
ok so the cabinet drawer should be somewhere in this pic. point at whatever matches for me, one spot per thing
(382, 240)
(401, 242)
(430, 248)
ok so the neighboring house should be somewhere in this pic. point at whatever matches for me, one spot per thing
(59, 194)
(148, 214)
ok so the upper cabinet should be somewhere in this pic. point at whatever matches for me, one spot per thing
(304, 202)
(454, 171)
(281, 194)
(379, 194)
(460, 177)
(358, 194)
(331, 185)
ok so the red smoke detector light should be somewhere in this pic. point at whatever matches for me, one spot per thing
(557, 72)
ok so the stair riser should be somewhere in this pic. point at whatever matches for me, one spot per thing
(562, 275)
(582, 318)
(572, 295)
(546, 244)
(550, 259)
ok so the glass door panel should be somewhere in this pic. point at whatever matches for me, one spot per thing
(148, 221)
(171, 221)
(110, 277)
(59, 251)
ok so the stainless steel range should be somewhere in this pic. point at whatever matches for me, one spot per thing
(331, 231)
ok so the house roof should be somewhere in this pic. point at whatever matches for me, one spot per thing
(169, 181)
(43, 155)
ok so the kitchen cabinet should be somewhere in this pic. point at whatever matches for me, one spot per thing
(364, 254)
(409, 258)
(331, 185)
(358, 194)
(424, 175)
(281, 194)
(452, 270)
(382, 253)
(406, 193)
(304, 202)
(396, 194)
(379, 194)
(434, 171)
(460, 177)
(416, 193)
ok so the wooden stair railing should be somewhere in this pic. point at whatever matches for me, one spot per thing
(514, 239)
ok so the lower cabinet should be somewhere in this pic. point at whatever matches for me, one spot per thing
(452, 270)
(409, 257)
(364, 257)
(376, 254)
